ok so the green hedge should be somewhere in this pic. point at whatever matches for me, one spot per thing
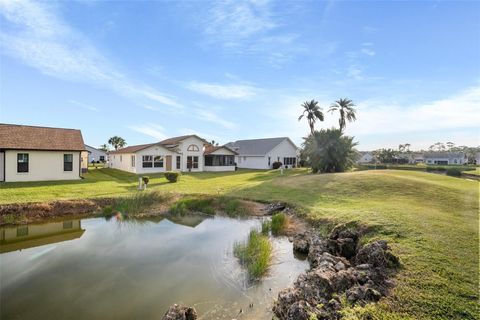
(172, 176)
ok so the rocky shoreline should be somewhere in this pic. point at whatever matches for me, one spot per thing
(341, 272)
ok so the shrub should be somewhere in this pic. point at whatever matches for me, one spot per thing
(255, 254)
(276, 165)
(279, 223)
(434, 168)
(172, 176)
(454, 172)
(146, 179)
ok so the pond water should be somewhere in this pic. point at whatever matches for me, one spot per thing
(99, 269)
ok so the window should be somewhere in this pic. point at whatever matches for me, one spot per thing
(67, 225)
(132, 160)
(178, 162)
(102, 158)
(147, 161)
(269, 161)
(219, 160)
(192, 162)
(22, 162)
(68, 162)
(193, 147)
(22, 231)
(289, 161)
(158, 162)
(121, 159)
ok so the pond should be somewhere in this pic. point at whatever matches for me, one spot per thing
(132, 269)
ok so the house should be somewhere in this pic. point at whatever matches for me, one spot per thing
(95, 154)
(365, 157)
(184, 153)
(31, 153)
(477, 158)
(445, 158)
(262, 153)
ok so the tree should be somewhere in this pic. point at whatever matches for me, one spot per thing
(213, 143)
(346, 110)
(330, 151)
(103, 147)
(117, 142)
(386, 155)
(313, 112)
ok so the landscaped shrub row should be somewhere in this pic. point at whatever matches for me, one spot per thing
(454, 172)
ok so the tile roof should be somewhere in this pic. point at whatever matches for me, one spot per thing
(255, 146)
(132, 149)
(14, 136)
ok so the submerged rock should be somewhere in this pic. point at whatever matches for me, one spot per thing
(179, 312)
(300, 243)
(275, 207)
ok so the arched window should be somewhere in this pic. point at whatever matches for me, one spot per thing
(193, 147)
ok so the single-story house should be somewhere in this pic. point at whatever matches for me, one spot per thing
(477, 158)
(445, 158)
(95, 154)
(30, 153)
(365, 157)
(184, 153)
(262, 153)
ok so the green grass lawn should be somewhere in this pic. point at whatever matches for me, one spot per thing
(430, 220)
(475, 171)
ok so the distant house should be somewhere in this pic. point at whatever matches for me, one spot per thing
(262, 153)
(30, 153)
(95, 154)
(477, 158)
(184, 153)
(445, 158)
(365, 157)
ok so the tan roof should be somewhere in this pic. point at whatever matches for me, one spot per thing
(132, 149)
(210, 149)
(177, 140)
(14, 136)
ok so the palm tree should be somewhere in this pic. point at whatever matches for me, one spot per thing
(117, 142)
(313, 112)
(103, 147)
(345, 107)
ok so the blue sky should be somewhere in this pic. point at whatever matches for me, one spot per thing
(233, 70)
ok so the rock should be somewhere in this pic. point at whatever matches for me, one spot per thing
(340, 266)
(377, 255)
(179, 312)
(275, 207)
(286, 298)
(362, 295)
(301, 310)
(347, 247)
(300, 243)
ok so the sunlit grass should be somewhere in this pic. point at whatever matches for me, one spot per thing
(255, 254)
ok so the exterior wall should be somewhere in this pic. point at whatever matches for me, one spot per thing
(366, 158)
(219, 168)
(153, 151)
(283, 150)
(84, 161)
(2, 167)
(95, 154)
(42, 166)
(185, 153)
(448, 160)
(122, 162)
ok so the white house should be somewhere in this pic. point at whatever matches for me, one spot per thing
(262, 153)
(445, 158)
(184, 153)
(365, 157)
(95, 154)
(29, 153)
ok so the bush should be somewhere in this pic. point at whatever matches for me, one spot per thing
(279, 223)
(276, 165)
(255, 254)
(146, 179)
(434, 168)
(454, 172)
(172, 176)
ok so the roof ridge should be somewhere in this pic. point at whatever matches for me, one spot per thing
(32, 126)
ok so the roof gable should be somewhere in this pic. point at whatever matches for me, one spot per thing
(14, 136)
(177, 140)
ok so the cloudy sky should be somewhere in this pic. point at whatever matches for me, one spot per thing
(233, 70)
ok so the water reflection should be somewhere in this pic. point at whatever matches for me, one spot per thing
(134, 269)
(35, 235)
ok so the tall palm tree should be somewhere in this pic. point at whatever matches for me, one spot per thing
(347, 112)
(313, 112)
(117, 142)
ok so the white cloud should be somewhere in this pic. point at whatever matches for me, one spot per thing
(367, 51)
(152, 130)
(223, 91)
(355, 72)
(214, 118)
(459, 111)
(83, 105)
(40, 38)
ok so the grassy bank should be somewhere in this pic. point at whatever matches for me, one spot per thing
(430, 220)
(255, 254)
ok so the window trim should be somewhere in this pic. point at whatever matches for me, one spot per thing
(178, 162)
(150, 161)
(193, 148)
(132, 161)
(65, 168)
(23, 161)
(160, 162)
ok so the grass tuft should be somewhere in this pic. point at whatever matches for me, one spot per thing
(255, 254)
(279, 223)
(135, 204)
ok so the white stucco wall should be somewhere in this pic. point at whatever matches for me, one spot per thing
(185, 153)
(366, 158)
(43, 166)
(121, 162)
(94, 154)
(219, 168)
(449, 161)
(285, 149)
(154, 151)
